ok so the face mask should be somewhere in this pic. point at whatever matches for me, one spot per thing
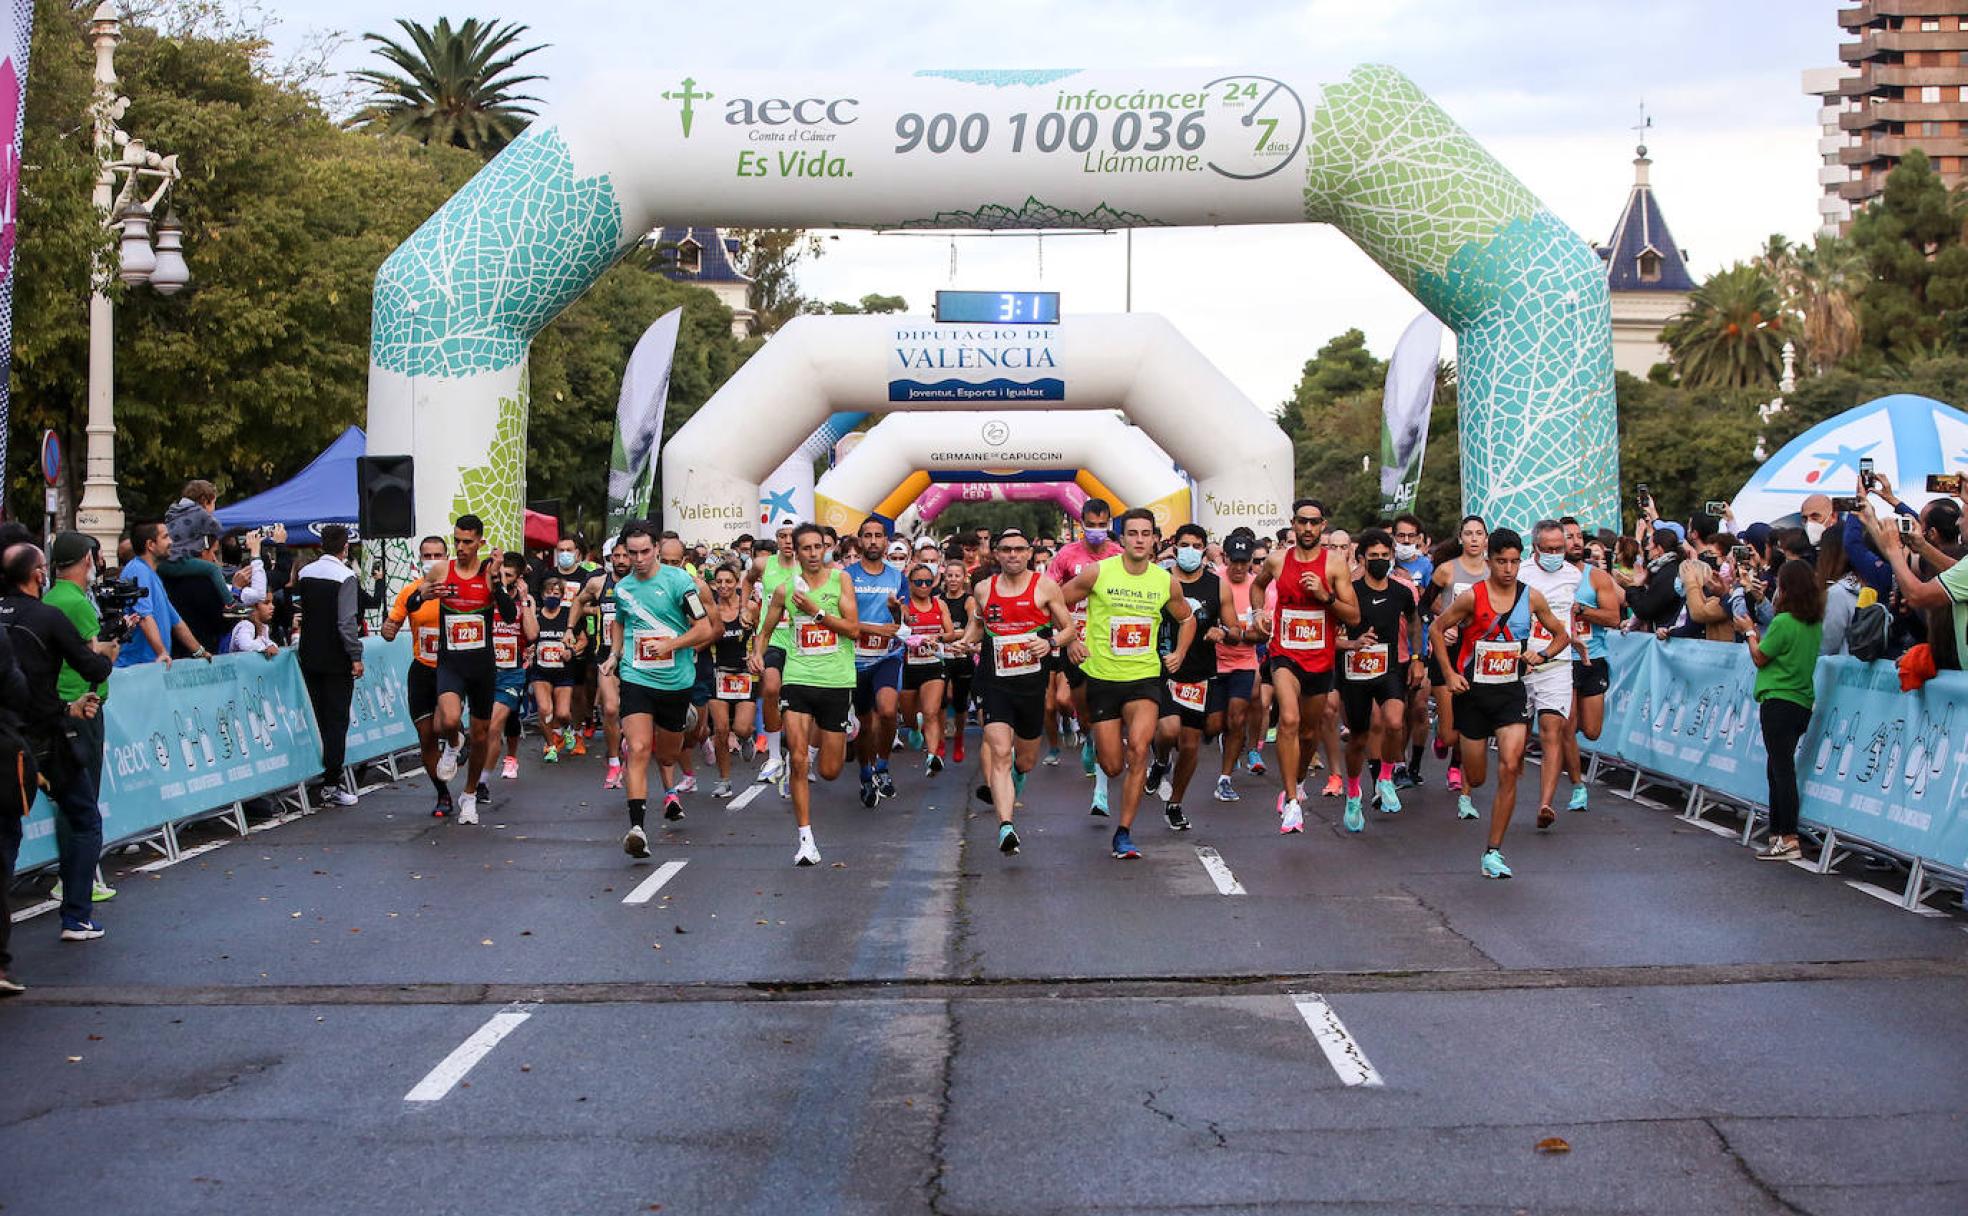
(1377, 567)
(550, 602)
(564, 561)
(1406, 552)
(1551, 563)
(1190, 560)
(1096, 537)
(433, 565)
(1813, 531)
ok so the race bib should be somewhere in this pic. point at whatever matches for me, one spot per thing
(928, 655)
(427, 644)
(870, 645)
(734, 686)
(644, 656)
(1015, 655)
(1302, 629)
(1080, 617)
(1581, 628)
(465, 633)
(1367, 663)
(811, 638)
(505, 650)
(551, 655)
(1130, 637)
(1190, 696)
(1497, 662)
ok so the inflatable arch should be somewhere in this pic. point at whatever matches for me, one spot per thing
(1068, 496)
(458, 303)
(903, 453)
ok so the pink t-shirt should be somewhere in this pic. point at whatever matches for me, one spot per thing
(1231, 656)
(1071, 559)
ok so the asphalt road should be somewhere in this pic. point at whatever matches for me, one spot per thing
(370, 1010)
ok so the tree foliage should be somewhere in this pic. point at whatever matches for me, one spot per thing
(1732, 333)
(1911, 242)
(451, 87)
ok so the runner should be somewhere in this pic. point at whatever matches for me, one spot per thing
(923, 675)
(468, 599)
(819, 672)
(1094, 546)
(1550, 687)
(660, 621)
(959, 665)
(1485, 672)
(1598, 606)
(552, 677)
(1449, 582)
(1232, 694)
(597, 601)
(1125, 670)
(1013, 611)
(1411, 560)
(877, 658)
(771, 571)
(1380, 664)
(679, 776)
(1331, 750)
(1314, 592)
(731, 710)
(581, 645)
(421, 692)
(510, 642)
(1191, 713)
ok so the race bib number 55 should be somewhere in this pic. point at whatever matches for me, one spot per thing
(1130, 637)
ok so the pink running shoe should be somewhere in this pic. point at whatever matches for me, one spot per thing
(613, 781)
(1455, 778)
(510, 769)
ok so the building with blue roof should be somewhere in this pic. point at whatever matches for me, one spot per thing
(1648, 274)
(705, 257)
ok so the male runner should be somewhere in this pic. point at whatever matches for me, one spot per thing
(421, 693)
(1484, 673)
(1123, 665)
(1234, 692)
(1190, 713)
(597, 600)
(1340, 541)
(468, 599)
(510, 640)
(770, 571)
(1315, 594)
(819, 671)
(661, 619)
(1597, 606)
(1379, 664)
(1450, 580)
(1010, 612)
(1411, 559)
(1094, 546)
(878, 594)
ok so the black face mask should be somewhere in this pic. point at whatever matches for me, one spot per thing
(1377, 567)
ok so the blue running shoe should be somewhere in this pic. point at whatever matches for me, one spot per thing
(1007, 839)
(1086, 758)
(868, 793)
(1494, 866)
(884, 784)
(1465, 809)
(1052, 757)
(1579, 796)
(1124, 849)
(1099, 804)
(1255, 763)
(1390, 800)
(1354, 819)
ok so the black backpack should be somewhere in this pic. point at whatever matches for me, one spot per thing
(1867, 637)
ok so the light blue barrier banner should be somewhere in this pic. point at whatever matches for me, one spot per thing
(192, 738)
(379, 719)
(1885, 766)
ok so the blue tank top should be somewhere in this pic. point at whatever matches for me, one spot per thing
(871, 592)
(1588, 597)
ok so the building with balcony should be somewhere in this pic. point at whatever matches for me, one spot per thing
(1904, 85)
(705, 257)
(1648, 274)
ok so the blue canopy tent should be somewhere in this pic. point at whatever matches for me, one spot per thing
(322, 493)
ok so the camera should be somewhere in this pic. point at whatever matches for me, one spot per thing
(1848, 506)
(1908, 524)
(1944, 483)
(1741, 556)
(1865, 473)
(114, 603)
(1643, 496)
(1714, 509)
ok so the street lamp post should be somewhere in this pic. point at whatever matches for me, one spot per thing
(125, 169)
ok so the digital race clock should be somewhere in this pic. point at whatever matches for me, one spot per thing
(998, 307)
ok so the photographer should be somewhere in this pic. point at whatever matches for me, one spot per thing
(157, 623)
(66, 738)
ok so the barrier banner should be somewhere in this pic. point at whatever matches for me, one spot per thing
(379, 718)
(1687, 709)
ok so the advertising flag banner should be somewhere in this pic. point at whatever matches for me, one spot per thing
(1406, 403)
(16, 31)
(639, 421)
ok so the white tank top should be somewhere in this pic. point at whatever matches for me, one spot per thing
(1559, 590)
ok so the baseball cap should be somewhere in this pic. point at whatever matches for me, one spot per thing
(898, 548)
(69, 548)
(1238, 548)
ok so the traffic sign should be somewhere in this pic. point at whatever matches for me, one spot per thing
(51, 457)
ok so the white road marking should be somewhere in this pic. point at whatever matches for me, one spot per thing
(452, 1069)
(165, 863)
(42, 908)
(743, 800)
(1226, 882)
(1892, 897)
(1342, 1052)
(647, 888)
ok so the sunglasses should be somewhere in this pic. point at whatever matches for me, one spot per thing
(922, 582)
(1308, 519)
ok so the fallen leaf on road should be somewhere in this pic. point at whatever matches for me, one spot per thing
(761, 922)
(75, 1059)
(840, 865)
(294, 915)
(95, 1038)
(486, 942)
(1552, 1144)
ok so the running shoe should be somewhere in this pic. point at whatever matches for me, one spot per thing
(884, 784)
(1334, 787)
(983, 793)
(933, 765)
(774, 769)
(1386, 797)
(1441, 750)
(1465, 809)
(80, 930)
(1099, 809)
(1255, 763)
(868, 792)
(956, 751)
(1403, 779)
(1494, 865)
(443, 808)
(551, 755)
(1007, 839)
(1579, 796)
(688, 785)
(1052, 757)
(567, 739)
(612, 780)
(468, 808)
(1779, 850)
(509, 769)
(1546, 817)
(1086, 758)
(447, 761)
(9, 986)
(99, 892)
(636, 843)
(722, 789)
(1355, 818)
(484, 796)
(1124, 849)
(1225, 792)
(580, 745)
(336, 795)
(1177, 821)
(1291, 818)
(1271, 735)
(672, 806)
(1157, 769)
(1455, 778)
(808, 854)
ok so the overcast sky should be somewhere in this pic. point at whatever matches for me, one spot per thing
(1552, 87)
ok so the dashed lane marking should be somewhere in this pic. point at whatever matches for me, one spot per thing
(1226, 882)
(441, 1080)
(647, 888)
(1342, 1052)
(745, 799)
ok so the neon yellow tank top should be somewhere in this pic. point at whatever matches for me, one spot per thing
(1124, 622)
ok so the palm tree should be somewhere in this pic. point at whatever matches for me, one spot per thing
(1827, 280)
(1731, 335)
(456, 86)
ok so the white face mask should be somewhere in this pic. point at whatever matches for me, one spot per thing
(433, 565)
(1813, 531)
(1551, 563)
(564, 560)
(1406, 552)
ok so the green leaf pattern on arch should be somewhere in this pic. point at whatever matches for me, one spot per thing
(492, 490)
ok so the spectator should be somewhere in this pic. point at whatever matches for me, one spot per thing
(1659, 599)
(1947, 590)
(1626, 563)
(14, 800)
(254, 634)
(1785, 659)
(74, 557)
(1702, 589)
(331, 653)
(1842, 587)
(157, 623)
(1819, 518)
(190, 519)
(198, 590)
(66, 738)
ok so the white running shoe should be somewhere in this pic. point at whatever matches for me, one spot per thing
(1293, 820)
(447, 761)
(338, 795)
(688, 785)
(636, 843)
(808, 855)
(721, 790)
(468, 808)
(773, 770)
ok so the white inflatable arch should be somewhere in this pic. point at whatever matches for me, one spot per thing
(893, 465)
